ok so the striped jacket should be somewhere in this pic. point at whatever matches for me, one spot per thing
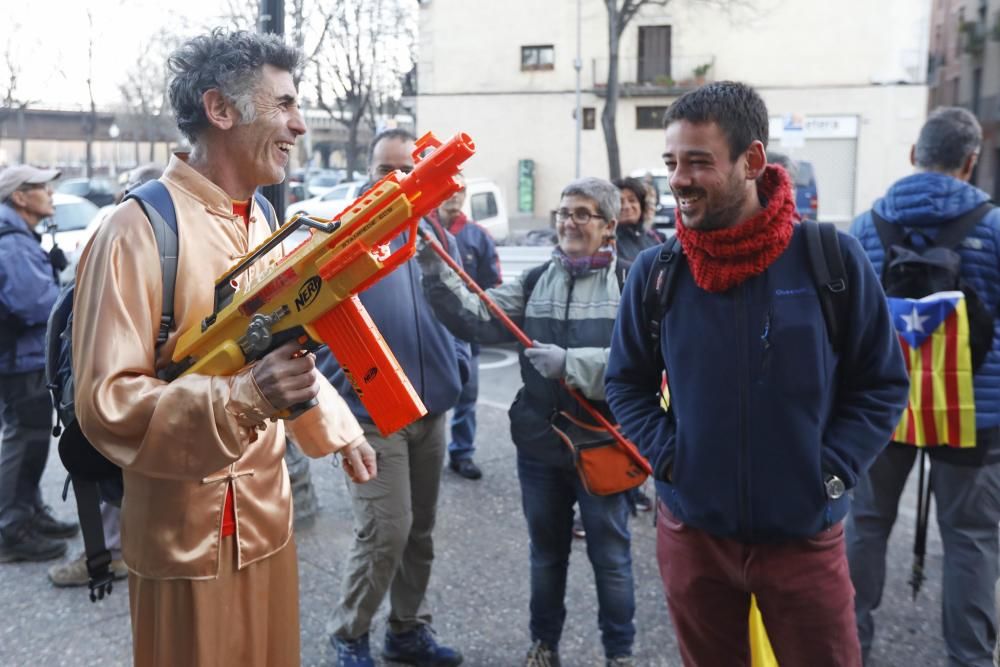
(576, 313)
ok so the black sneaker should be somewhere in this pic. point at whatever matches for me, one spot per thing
(418, 647)
(26, 544)
(466, 468)
(48, 526)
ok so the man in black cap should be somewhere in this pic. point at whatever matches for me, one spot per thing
(28, 288)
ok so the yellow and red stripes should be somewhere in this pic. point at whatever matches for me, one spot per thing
(942, 409)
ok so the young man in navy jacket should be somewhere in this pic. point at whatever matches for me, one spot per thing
(768, 425)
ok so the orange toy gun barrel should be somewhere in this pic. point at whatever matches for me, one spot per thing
(310, 294)
(523, 339)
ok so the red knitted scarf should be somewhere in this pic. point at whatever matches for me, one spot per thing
(721, 259)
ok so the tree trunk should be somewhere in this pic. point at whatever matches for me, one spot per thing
(22, 133)
(352, 146)
(608, 114)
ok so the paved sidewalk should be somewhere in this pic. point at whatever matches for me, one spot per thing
(478, 594)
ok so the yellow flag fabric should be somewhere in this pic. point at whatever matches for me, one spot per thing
(934, 335)
(761, 654)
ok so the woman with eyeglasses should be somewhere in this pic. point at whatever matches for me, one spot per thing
(567, 306)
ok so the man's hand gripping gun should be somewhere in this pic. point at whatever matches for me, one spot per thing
(310, 295)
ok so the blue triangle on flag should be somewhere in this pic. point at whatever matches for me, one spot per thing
(917, 319)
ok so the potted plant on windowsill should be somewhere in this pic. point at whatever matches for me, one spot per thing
(700, 72)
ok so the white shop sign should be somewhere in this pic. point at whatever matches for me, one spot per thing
(817, 127)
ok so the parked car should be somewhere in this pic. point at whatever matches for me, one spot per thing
(327, 205)
(99, 191)
(663, 217)
(296, 192)
(484, 203)
(69, 224)
(318, 183)
(806, 194)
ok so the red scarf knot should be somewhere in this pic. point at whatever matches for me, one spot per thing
(721, 259)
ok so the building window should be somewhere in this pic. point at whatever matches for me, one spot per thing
(654, 55)
(589, 118)
(537, 57)
(649, 118)
(483, 206)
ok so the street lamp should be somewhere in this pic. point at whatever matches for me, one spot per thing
(578, 65)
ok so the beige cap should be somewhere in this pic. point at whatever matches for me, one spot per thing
(14, 177)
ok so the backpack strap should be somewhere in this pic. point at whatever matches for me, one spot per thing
(950, 235)
(265, 205)
(888, 233)
(661, 283)
(10, 229)
(155, 201)
(531, 279)
(953, 233)
(826, 262)
(88, 508)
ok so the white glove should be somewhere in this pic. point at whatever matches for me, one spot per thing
(549, 360)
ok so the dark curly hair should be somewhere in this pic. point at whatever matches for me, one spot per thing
(734, 107)
(228, 61)
(638, 188)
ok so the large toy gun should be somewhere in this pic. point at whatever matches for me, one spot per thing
(310, 295)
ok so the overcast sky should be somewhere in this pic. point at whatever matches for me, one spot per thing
(49, 38)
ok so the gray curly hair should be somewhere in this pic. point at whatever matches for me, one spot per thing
(947, 139)
(230, 62)
(607, 197)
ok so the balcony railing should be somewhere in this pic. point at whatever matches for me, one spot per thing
(641, 77)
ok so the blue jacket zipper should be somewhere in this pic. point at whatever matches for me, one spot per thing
(743, 378)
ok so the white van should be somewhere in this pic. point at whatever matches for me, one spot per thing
(484, 203)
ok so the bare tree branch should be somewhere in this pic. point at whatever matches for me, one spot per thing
(620, 15)
(366, 51)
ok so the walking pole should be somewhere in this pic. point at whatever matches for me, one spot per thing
(923, 515)
(523, 339)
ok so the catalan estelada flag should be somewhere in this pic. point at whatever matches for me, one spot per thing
(934, 334)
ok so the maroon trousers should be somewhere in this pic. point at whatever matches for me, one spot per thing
(803, 589)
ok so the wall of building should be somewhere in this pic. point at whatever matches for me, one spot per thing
(820, 61)
(954, 71)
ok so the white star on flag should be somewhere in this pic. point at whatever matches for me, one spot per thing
(914, 322)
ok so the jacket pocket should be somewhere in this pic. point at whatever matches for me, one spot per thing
(796, 347)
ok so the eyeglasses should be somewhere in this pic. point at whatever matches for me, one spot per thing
(27, 187)
(581, 216)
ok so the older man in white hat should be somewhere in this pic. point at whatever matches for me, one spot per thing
(28, 288)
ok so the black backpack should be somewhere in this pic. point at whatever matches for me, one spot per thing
(826, 262)
(917, 265)
(94, 477)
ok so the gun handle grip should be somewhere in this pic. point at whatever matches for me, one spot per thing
(369, 364)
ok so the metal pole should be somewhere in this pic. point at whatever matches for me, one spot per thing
(578, 65)
(271, 19)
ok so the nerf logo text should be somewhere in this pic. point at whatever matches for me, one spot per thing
(308, 293)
